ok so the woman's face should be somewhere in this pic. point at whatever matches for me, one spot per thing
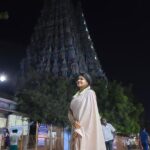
(82, 82)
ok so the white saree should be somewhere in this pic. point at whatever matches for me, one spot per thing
(84, 110)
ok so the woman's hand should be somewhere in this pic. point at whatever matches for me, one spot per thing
(76, 125)
(75, 135)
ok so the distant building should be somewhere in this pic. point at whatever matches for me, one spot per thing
(6, 107)
(10, 118)
(61, 44)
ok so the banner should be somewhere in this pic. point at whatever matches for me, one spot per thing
(42, 134)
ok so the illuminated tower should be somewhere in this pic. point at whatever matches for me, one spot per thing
(61, 44)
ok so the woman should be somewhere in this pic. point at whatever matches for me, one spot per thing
(84, 117)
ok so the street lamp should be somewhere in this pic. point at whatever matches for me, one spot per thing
(3, 78)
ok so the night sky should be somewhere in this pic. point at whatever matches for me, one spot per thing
(120, 31)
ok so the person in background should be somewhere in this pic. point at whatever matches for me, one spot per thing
(14, 138)
(109, 133)
(144, 139)
(7, 139)
(84, 117)
(128, 143)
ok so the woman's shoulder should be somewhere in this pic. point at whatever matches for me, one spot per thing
(91, 92)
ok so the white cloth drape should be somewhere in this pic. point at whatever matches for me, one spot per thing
(84, 109)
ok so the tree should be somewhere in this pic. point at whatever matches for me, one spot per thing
(4, 15)
(45, 99)
(118, 105)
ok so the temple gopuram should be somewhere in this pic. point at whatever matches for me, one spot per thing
(61, 44)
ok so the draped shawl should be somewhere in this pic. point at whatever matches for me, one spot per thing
(83, 108)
